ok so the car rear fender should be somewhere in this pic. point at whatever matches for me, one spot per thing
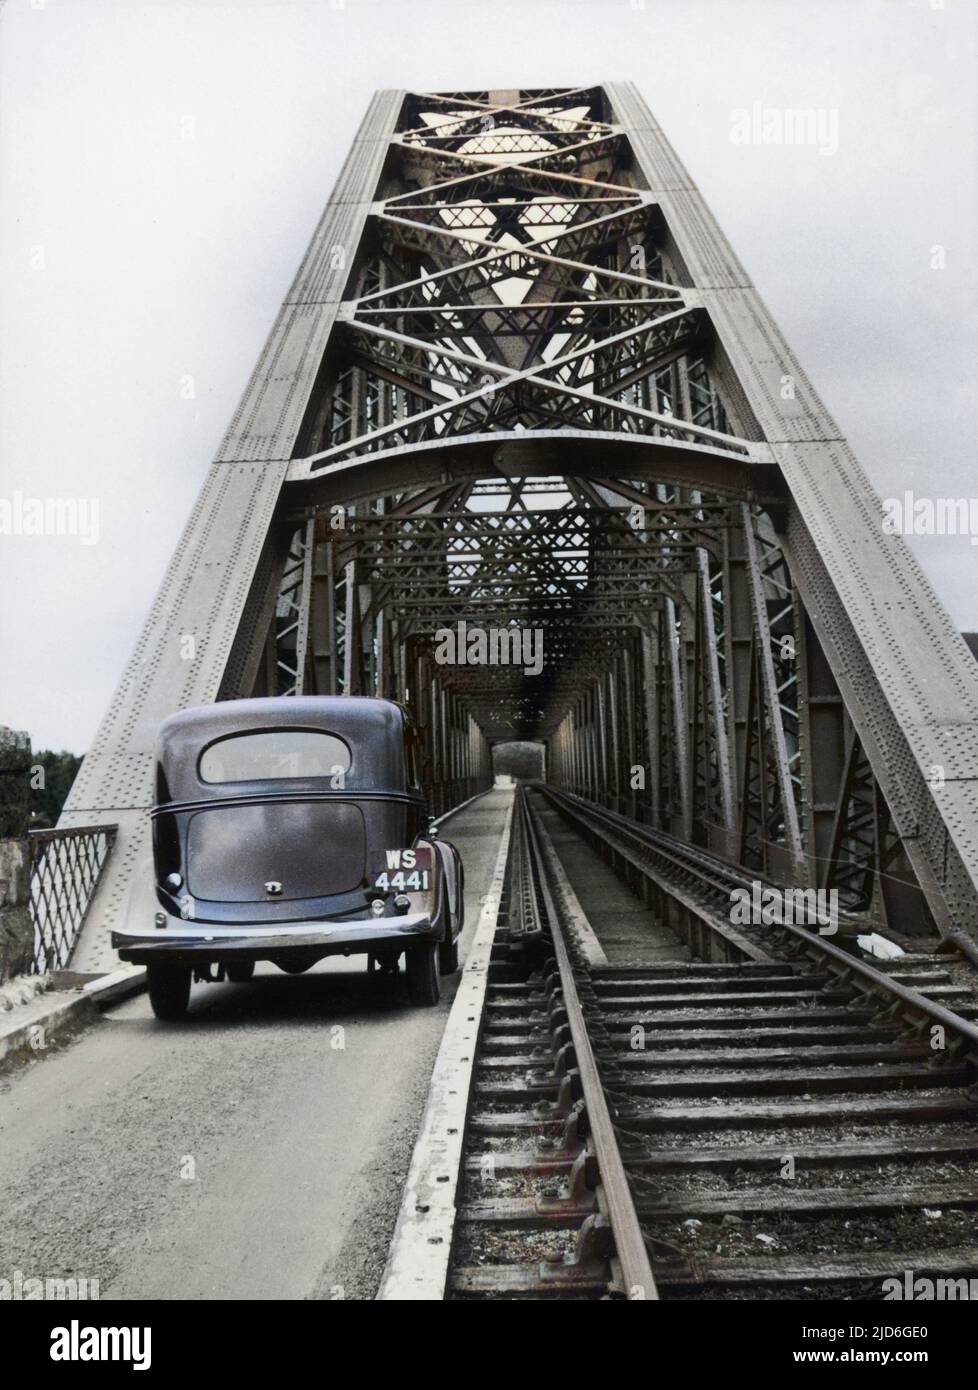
(450, 862)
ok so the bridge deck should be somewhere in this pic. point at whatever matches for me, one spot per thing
(628, 930)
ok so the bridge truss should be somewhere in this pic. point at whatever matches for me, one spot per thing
(521, 382)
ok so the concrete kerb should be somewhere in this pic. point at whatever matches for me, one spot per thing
(57, 1015)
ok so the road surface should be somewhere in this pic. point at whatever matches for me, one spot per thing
(256, 1150)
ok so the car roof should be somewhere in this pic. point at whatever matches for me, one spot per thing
(372, 728)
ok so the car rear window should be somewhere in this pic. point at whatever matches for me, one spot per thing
(274, 755)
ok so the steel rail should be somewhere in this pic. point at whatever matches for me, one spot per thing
(714, 873)
(637, 1276)
(719, 876)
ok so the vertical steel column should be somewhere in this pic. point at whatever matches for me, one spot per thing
(602, 723)
(613, 764)
(822, 735)
(322, 620)
(769, 698)
(352, 635)
(679, 722)
(652, 695)
(718, 729)
(738, 637)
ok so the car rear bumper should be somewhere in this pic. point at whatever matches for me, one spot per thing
(197, 943)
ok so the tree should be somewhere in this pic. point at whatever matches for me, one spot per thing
(520, 760)
(51, 777)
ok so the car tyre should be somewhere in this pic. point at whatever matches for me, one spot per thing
(422, 974)
(169, 991)
(241, 972)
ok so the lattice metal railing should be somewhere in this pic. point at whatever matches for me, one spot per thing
(65, 868)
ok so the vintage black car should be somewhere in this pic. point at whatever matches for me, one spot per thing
(288, 830)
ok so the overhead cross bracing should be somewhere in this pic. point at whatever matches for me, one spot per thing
(521, 381)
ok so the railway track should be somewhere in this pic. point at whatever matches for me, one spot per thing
(776, 1119)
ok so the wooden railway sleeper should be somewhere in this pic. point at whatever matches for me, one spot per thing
(577, 1198)
(790, 945)
(840, 975)
(550, 981)
(616, 1098)
(568, 1092)
(557, 1016)
(594, 1250)
(913, 1023)
(579, 1191)
(572, 1137)
(918, 1028)
(565, 1060)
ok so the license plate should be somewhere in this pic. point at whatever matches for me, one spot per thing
(402, 870)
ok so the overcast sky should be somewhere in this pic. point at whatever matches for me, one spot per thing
(162, 166)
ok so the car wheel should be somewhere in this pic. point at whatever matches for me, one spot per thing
(422, 974)
(169, 990)
(241, 972)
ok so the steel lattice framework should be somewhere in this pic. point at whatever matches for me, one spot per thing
(521, 381)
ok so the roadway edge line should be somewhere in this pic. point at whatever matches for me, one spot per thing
(420, 1249)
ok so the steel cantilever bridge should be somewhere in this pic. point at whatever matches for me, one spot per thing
(521, 380)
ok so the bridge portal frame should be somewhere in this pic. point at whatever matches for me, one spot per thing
(884, 685)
